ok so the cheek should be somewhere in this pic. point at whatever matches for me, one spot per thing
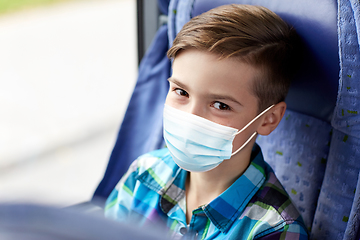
(242, 137)
(174, 102)
(170, 99)
(217, 118)
(167, 99)
(227, 118)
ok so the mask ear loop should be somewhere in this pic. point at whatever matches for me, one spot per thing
(247, 125)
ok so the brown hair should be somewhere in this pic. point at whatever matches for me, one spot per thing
(253, 34)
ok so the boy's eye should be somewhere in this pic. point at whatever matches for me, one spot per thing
(181, 92)
(221, 106)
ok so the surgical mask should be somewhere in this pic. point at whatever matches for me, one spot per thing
(197, 144)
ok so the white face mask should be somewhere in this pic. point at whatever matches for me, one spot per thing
(197, 144)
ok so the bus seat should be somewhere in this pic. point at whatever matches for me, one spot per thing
(315, 149)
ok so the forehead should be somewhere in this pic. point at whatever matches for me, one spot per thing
(206, 72)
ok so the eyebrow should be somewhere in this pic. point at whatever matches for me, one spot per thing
(213, 96)
(224, 97)
(171, 79)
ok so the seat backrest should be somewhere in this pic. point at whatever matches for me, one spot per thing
(299, 147)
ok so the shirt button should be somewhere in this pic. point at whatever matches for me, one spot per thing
(183, 230)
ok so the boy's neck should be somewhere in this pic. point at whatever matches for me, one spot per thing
(203, 187)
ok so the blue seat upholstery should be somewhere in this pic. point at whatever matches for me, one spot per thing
(141, 129)
(315, 151)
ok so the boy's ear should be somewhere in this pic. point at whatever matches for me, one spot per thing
(272, 119)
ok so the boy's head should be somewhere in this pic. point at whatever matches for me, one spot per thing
(251, 34)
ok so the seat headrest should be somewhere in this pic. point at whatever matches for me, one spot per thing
(314, 90)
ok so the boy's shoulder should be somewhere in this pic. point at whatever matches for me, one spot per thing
(151, 164)
(274, 195)
(150, 159)
(155, 166)
(273, 208)
(153, 159)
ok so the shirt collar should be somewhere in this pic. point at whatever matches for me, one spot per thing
(224, 210)
(168, 180)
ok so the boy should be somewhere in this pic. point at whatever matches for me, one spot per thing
(231, 72)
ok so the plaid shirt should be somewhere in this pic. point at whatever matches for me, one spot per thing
(255, 206)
